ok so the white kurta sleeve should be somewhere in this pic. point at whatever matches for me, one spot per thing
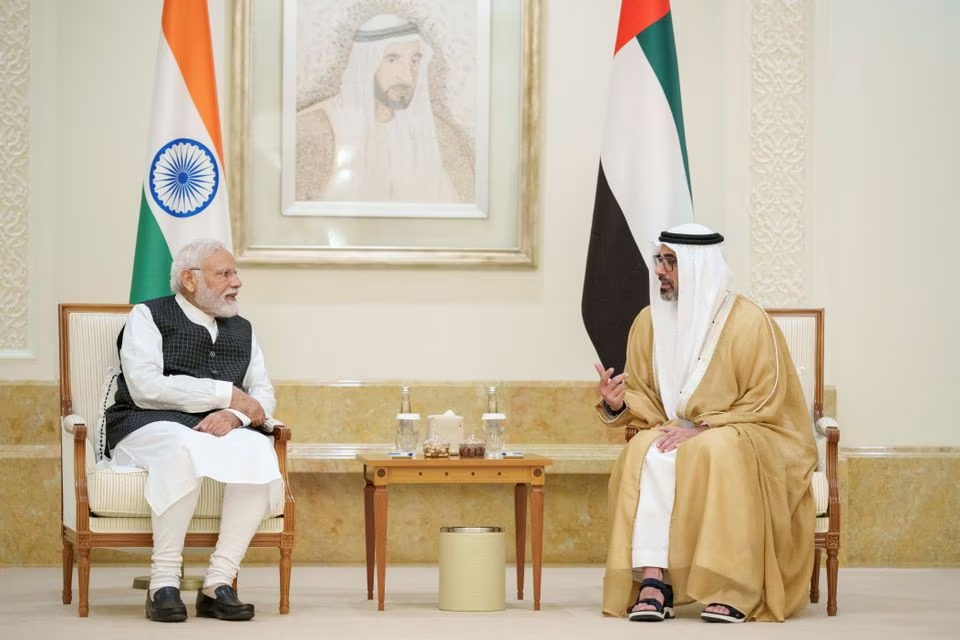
(141, 357)
(256, 382)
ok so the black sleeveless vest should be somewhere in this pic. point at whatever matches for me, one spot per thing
(189, 351)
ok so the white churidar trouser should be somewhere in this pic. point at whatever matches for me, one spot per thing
(176, 459)
(651, 529)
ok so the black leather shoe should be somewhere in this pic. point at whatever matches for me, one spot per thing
(226, 606)
(166, 606)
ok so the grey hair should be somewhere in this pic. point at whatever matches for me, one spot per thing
(192, 256)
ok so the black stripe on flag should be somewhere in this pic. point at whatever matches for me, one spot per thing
(616, 285)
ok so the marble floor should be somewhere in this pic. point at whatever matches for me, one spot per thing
(330, 602)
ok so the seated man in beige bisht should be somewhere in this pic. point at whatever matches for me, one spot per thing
(710, 502)
(192, 377)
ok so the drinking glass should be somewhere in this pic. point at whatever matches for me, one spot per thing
(408, 432)
(493, 428)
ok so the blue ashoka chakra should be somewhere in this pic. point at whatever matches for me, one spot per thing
(184, 177)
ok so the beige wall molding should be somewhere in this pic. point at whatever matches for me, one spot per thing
(14, 167)
(779, 121)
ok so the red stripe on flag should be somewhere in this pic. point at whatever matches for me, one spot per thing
(637, 15)
(186, 27)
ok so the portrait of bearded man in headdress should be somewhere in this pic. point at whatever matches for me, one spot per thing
(381, 138)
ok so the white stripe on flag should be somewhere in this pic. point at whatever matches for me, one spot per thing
(176, 116)
(641, 154)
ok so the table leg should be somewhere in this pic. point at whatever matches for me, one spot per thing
(368, 525)
(520, 516)
(380, 519)
(536, 540)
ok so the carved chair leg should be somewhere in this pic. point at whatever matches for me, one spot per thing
(286, 563)
(67, 571)
(815, 578)
(83, 581)
(832, 566)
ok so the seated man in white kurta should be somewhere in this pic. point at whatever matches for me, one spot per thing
(192, 377)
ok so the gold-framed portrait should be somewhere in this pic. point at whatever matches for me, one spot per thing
(385, 132)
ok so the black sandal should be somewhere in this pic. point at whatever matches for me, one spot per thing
(733, 615)
(661, 610)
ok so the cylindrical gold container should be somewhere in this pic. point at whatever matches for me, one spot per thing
(472, 569)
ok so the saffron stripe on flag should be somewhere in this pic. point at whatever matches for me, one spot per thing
(186, 27)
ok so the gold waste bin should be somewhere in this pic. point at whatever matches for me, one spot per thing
(472, 569)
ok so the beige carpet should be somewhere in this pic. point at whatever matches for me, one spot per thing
(330, 602)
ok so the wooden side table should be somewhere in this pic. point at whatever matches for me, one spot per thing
(380, 471)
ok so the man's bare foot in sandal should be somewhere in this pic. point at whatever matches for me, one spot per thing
(717, 612)
(655, 601)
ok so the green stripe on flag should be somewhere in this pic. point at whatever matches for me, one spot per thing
(659, 46)
(152, 260)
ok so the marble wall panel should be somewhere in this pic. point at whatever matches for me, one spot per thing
(901, 506)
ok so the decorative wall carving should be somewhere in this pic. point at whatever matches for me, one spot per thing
(779, 85)
(14, 167)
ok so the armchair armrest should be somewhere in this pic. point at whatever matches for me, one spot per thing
(277, 429)
(71, 422)
(824, 424)
(77, 427)
(282, 434)
(270, 424)
(830, 429)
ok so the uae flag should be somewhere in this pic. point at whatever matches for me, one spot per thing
(184, 193)
(644, 182)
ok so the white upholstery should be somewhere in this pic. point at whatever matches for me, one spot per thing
(820, 494)
(108, 393)
(93, 353)
(800, 333)
(823, 524)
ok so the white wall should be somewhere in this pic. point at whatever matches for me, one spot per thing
(886, 169)
(884, 94)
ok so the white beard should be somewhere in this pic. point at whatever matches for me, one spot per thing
(219, 307)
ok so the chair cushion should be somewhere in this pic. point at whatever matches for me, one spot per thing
(121, 495)
(820, 492)
(197, 525)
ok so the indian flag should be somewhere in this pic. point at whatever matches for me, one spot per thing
(644, 182)
(184, 193)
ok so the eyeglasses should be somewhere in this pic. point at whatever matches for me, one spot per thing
(669, 262)
(222, 275)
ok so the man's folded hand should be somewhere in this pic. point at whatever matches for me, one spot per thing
(249, 406)
(218, 423)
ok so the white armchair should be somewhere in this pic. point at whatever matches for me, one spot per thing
(105, 509)
(803, 330)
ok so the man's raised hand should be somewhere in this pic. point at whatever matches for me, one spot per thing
(611, 387)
